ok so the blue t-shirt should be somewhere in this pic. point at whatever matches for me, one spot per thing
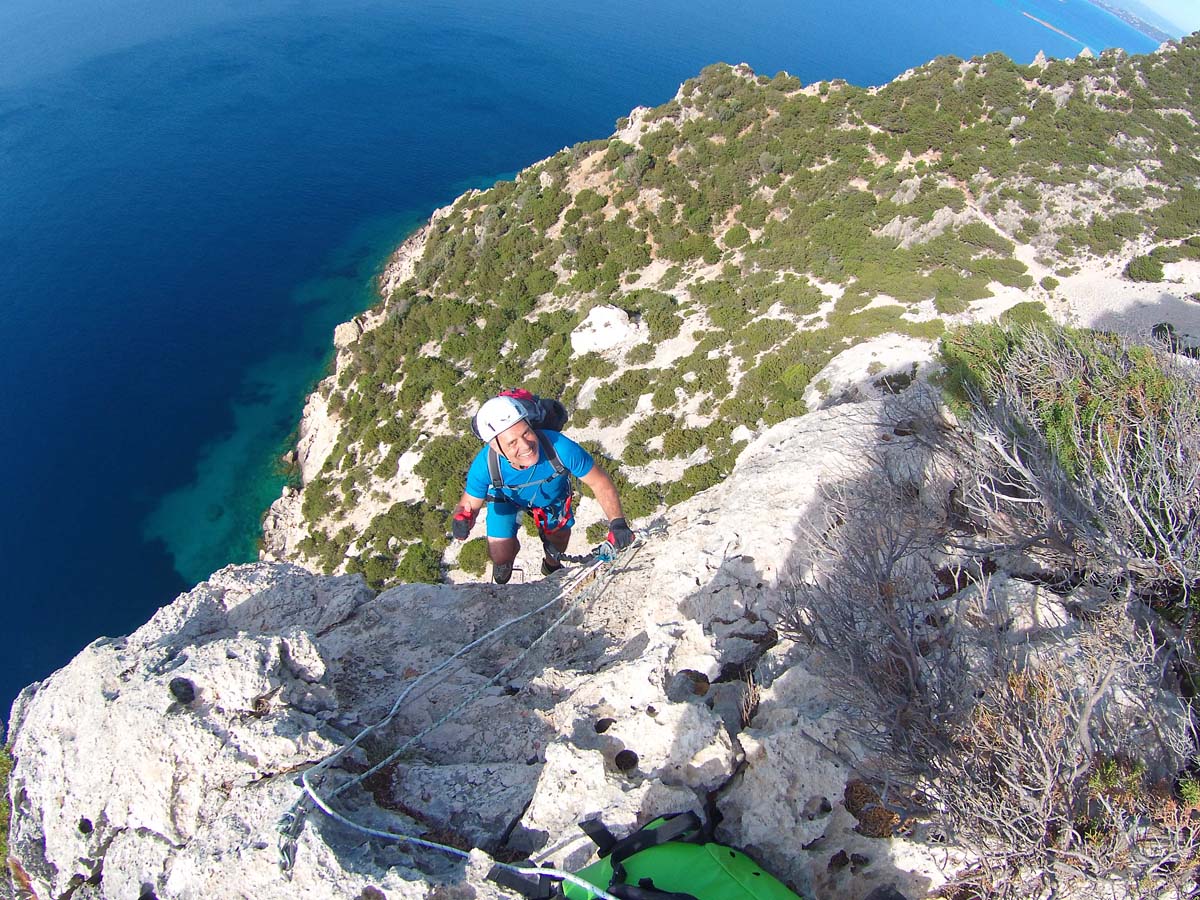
(535, 486)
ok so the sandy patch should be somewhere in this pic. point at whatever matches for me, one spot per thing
(1099, 296)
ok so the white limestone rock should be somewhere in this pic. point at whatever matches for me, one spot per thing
(164, 760)
(870, 370)
(791, 795)
(607, 330)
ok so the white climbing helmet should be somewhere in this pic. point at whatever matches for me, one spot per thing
(496, 416)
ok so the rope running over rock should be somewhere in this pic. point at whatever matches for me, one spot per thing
(586, 583)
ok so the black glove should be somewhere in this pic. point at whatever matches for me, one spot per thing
(619, 534)
(463, 520)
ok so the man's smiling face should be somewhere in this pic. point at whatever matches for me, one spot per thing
(519, 445)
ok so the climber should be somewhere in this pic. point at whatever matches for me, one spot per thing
(529, 469)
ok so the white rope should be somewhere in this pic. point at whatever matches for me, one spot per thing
(332, 758)
(535, 871)
(292, 821)
(581, 576)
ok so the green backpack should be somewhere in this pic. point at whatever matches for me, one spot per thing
(672, 858)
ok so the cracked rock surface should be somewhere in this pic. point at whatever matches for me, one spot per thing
(159, 764)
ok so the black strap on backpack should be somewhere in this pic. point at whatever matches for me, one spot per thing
(646, 891)
(534, 887)
(686, 827)
(497, 486)
(600, 835)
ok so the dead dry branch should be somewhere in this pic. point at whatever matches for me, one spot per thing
(1000, 737)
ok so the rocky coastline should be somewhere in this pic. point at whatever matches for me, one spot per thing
(283, 524)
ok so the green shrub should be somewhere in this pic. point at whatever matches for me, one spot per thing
(657, 310)
(670, 278)
(473, 557)
(618, 398)
(403, 524)
(1144, 268)
(950, 305)
(588, 201)
(973, 357)
(1027, 313)
(1189, 791)
(318, 500)
(592, 365)
(694, 480)
(421, 563)
(1180, 218)
(736, 236)
(641, 354)
(1111, 385)
(1049, 283)
(680, 442)
(443, 467)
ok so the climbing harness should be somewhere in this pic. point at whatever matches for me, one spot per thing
(541, 516)
(599, 568)
(548, 520)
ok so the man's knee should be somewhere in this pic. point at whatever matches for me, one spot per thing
(503, 550)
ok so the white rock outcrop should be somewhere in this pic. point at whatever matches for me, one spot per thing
(606, 329)
(159, 764)
(884, 365)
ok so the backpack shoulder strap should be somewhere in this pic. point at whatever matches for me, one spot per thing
(550, 453)
(600, 835)
(494, 471)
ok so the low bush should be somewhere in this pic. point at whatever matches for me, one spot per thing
(695, 479)
(420, 563)
(641, 354)
(736, 236)
(443, 467)
(1102, 433)
(1027, 313)
(473, 557)
(1144, 268)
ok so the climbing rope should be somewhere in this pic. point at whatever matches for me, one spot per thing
(585, 583)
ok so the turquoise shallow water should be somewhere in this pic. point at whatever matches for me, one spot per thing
(191, 198)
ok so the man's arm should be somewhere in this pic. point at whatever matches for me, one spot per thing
(619, 533)
(606, 492)
(469, 504)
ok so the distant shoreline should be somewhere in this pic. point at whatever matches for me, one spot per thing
(1046, 24)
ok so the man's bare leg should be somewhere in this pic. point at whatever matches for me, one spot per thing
(503, 551)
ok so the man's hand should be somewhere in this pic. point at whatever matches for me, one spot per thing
(464, 520)
(619, 534)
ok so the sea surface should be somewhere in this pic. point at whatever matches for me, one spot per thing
(193, 195)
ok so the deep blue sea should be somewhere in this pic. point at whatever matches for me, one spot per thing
(193, 195)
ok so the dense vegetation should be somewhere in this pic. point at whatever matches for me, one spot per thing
(1073, 457)
(755, 228)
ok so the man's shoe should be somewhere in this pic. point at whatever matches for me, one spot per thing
(501, 572)
(550, 566)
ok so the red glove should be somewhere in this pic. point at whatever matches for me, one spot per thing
(464, 521)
